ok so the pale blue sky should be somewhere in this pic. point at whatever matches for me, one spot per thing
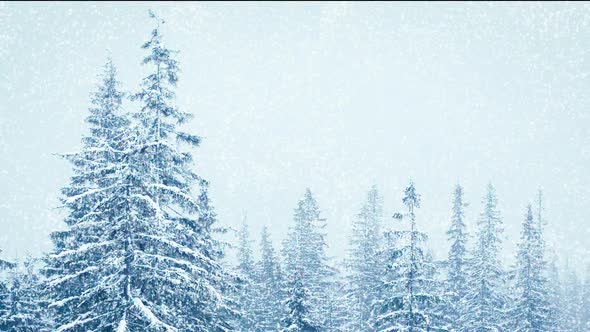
(331, 96)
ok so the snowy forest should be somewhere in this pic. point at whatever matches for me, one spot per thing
(142, 247)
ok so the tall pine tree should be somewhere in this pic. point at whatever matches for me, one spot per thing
(409, 302)
(86, 280)
(485, 300)
(26, 301)
(457, 261)
(531, 310)
(298, 317)
(571, 318)
(246, 274)
(138, 254)
(364, 261)
(269, 281)
(4, 296)
(304, 252)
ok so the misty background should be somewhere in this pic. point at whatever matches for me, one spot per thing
(331, 96)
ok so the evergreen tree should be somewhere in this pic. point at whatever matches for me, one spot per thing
(337, 313)
(553, 290)
(268, 286)
(554, 293)
(83, 269)
(4, 297)
(457, 259)
(188, 252)
(485, 300)
(27, 306)
(247, 292)
(531, 308)
(298, 318)
(304, 251)
(138, 254)
(364, 261)
(571, 318)
(408, 303)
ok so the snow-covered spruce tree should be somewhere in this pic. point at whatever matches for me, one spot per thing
(485, 299)
(298, 306)
(304, 252)
(554, 294)
(408, 303)
(84, 278)
(364, 261)
(551, 273)
(530, 309)
(186, 290)
(4, 297)
(457, 260)
(4, 306)
(26, 301)
(138, 253)
(269, 294)
(571, 318)
(337, 308)
(246, 273)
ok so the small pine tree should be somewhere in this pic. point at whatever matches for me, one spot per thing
(531, 307)
(4, 297)
(298, 317)
(27, 305)
(554, 294)
(485, 300)
(337, 314)
(457, 259)
(409, 303)
(304, 251)
(247, 292)
(571, 318)
(364, 261)
(269, 293)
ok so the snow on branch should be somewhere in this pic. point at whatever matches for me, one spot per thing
(147, 313)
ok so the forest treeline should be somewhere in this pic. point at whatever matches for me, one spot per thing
(141, 250)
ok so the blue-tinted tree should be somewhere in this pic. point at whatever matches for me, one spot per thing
(409, 299)
(458, 260)
(298, 306)
(365, 262)
(304, 251)
(531, 308)
(485, 301)
(268, 282)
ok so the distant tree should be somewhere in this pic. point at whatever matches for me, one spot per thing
(246, 272)
(4, 297)
(457, 260)
(554, 295)
(485, 300)
(337, 311)
(298, 305)
(408, 302)
(571, 318)
(531, 308)
(364, 261)
(269, 293)
(304, 252)
(26, 301)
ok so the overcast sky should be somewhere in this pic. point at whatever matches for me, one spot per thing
(331, 96)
